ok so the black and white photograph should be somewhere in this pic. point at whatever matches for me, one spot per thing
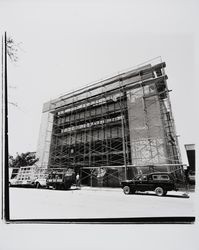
(99, 116)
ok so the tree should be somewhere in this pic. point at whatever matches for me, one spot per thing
(23, 160)
(12, 49)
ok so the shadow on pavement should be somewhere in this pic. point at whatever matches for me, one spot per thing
(182, 196)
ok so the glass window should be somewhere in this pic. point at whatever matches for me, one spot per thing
(160, 177)
(164, 177)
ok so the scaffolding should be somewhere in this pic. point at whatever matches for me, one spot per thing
(114, 129)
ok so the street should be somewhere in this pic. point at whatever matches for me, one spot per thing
(29, 203)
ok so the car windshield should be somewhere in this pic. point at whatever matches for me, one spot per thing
(55, 176)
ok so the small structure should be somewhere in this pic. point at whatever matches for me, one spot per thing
(191, 169)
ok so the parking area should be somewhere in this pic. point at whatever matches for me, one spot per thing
(87, 202)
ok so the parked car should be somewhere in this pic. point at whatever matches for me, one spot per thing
(160, 182)
(40, 182)
(40, 177)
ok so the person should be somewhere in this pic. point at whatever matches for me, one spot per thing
(77, 181)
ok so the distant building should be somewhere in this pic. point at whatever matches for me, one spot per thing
(113, 129)
(190, 149)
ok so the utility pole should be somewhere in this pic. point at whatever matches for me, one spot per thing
(6, 162)
(2, 120)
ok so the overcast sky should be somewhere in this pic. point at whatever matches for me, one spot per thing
(67, 44)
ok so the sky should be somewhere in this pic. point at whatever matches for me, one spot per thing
(65, 45)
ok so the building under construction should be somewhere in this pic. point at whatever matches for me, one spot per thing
(113, 129)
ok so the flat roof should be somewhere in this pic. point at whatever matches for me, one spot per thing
(142, 74)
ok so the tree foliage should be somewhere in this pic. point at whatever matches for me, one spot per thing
(22, 160)
(12, 49)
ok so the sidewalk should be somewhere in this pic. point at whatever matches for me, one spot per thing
(89, 188)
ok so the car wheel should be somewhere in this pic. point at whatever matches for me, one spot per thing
(159, 191)
(165, 192)
(38, 185)
(126, 190)
(67, 187)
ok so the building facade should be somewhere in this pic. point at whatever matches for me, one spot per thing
(113, 129)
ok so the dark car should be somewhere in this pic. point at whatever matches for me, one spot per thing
(158, 181)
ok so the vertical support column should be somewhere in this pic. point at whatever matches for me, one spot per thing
(75, 153)
(123, 129)
(90, 143)
(89, 137)
(106, 127)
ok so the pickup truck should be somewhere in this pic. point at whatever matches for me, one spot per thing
(159, 182)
